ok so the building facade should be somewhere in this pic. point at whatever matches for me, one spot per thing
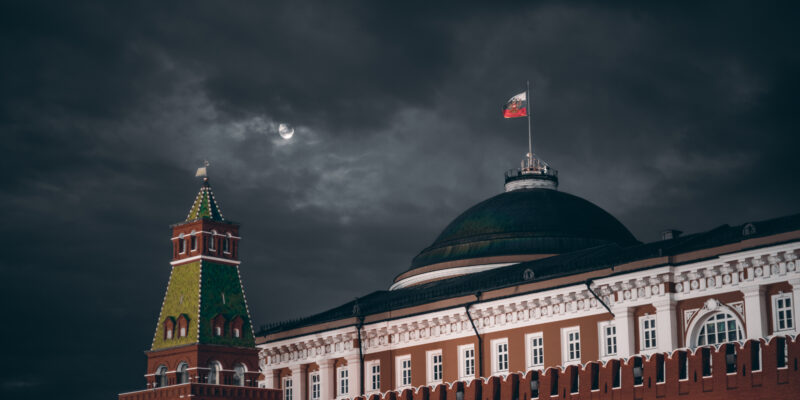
(537, 283)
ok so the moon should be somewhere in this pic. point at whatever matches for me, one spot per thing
(285, 131)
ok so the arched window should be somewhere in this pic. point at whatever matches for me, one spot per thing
(183, 373)
(719, 328)
(213, 373)
(238, 374)
(212, 240)
(161, 376)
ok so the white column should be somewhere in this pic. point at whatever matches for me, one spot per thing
(795, 297)
(666, 325)
(326, 380)
(623, 320)
(755, 311)
(299, 382)
(269, 379)
(354, 374)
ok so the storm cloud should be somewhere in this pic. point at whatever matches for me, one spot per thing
(680, 116)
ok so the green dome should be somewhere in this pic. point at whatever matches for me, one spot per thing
(526, 221)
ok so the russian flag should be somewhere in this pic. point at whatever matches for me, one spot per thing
(516, 106)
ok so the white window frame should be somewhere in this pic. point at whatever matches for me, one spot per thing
(312, 385)
(182, 244)
(602, 329)
(193, 237)
(500, 359)
(643, 320)
(182, 331)
(286, 384)
(236, 332)
(431, 366)
(342, 382)
(371, 375)
(788, 312)
(566, 358)
(463, 374)
(217, 331)
(533, 361)
(169, 333)
(399, 367)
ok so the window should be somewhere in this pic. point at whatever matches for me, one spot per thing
(535, 350)
(183, 331)
(434, 366)
(213, 373)
(315, 385)
(730, 359)
(236, 332)
(705, 354)
(571, 344)
(182, 373)
(616, 374)
(782, 352)
(683, 366)
(238, 375)
(660, 366)
(782, 311)
(637, 371)
(404, 370)
(755, 355)
(608, 339)
(374, 369)
(719, 328)
(500, 355)
(466, 356)
(647, 330)
(161, 376)
(287, 387)
(218, 331)
(181, 244)
(344, 381)
(226, 244)
(212, 240)
(194, 241)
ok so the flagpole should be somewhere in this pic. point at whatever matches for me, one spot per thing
(528, 111)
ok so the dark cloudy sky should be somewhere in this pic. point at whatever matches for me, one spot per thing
(668, 117)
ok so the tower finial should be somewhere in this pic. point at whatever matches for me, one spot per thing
(203, 171)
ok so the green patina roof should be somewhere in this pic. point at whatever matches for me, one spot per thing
(202, 290)
(205, 205)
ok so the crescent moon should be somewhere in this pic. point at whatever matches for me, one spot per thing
(285, 131)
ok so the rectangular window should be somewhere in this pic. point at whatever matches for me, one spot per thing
(535, 350)
(683, 366)
(169, 333)
(194, 243)
(705, 353)
(616, 374)
(730, 359)
(404, 371)
(608, 339)
(181, 245)
(571, 344)
(647, 330)
(660, 365)
(755, 355)
(344, 381)
(782, 314)
(782, 352)
(637, 371)
(595, 372)
(434, 366)
(374, 370)
(315, 386)
(500, 350)
(236, 332)
(466, 356)
(287, 388)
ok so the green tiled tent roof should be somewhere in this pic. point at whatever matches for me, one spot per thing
(205, 205)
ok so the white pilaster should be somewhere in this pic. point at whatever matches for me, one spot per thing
(795, 297)
(299, 382)
(755, 311)
(269, 379)
(666, 325)
(623, 320)
(326, 380)
(354, 374)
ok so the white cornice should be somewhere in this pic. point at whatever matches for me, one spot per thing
(204, 257)
(445, 273)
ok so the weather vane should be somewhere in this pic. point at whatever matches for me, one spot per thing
(203, 171)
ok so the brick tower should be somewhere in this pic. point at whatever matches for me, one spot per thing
(204, 343)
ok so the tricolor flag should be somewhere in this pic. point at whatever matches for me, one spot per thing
(516, 106)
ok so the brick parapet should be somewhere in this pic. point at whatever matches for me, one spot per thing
(769, 382)
(200, 391)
